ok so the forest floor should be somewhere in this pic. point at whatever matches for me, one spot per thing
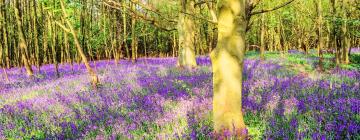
(284, 97)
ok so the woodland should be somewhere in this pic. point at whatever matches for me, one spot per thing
(180, 69)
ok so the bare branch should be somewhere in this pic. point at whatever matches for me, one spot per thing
(151, 9)
(204, 1)
(201, 18)
(272, 9)
(151, 20)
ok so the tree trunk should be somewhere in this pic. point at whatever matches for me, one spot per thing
(271, 39)
(174, 45)
(228, 59)
(345, 42)
(186, 29)
(133, 37)
(36, 41)
(319, 33)
(94, 77)
(123, 3)
(22, 41)
(262, 38)
(52, 31)
(5, 36)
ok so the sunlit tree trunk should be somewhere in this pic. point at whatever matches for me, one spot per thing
(278, 45)
(271, 39)
(345, 42)
(186, 29)
(1, 51)
(262, 38)
(1, 59)
(319, 32)
(334, 43)
(94, 77)
(123, 3)
(133, 37)
(227, 64)
(174, 45)
(22, 41)
(36, 41)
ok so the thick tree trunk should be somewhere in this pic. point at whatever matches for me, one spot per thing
(22, 41)
(228, 59)
(186, 29)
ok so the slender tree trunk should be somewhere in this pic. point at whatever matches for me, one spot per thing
(319, 32)
(125, 30)
(52, 31)
(133, 37)
(174, 45)
(271, 39)
(92, 73)
(278, 44)
(345, 42)
(22, 41)
(145, 46)
(1, 47)
(45, 42)
(36, 42)
(334, 43)
(5, 35)
(228, 60)
(262, 38)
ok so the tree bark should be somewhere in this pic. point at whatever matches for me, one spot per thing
(228, 59)
(186, 29)
(345, 42)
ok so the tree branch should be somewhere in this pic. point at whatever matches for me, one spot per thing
(273, 9)
(201, 18)
(62, 26)
(151, 9)
(152, 21)
(204, 1)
